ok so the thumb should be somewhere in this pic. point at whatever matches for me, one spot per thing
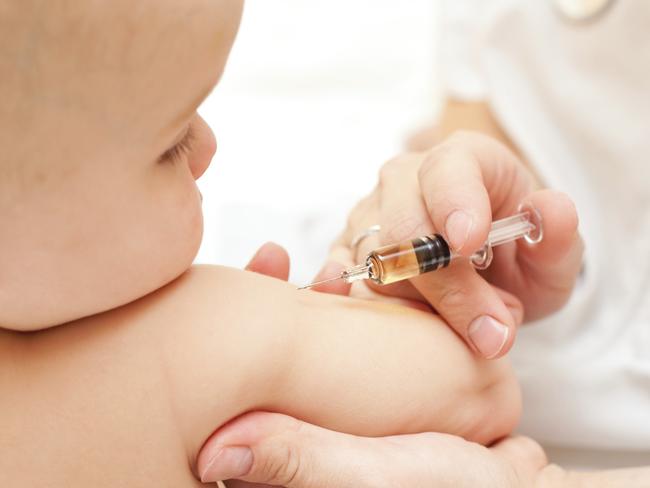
(552, 266)
(262, 449)
(277, 450)
(542, 276)
(271, 260)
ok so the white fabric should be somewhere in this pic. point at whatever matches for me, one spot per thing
(575, 97)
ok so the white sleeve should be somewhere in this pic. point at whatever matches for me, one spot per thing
(459, 48)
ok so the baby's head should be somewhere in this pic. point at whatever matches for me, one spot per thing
(100, 147)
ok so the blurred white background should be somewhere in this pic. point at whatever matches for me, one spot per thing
(316, 96)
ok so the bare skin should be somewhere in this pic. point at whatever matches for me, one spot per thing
(128, 397)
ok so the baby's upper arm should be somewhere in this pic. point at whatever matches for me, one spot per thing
(362, 367)
(139, 389)
(378, 369)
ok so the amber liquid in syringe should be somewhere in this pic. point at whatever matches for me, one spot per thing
(397, 262)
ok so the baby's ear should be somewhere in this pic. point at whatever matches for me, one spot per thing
(271, 260)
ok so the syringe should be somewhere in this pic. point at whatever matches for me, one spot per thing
(397, 262)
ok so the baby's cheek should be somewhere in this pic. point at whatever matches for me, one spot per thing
(174, 225)
(187, 230)
(195, 225)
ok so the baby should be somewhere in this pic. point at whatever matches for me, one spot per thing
(117, 358)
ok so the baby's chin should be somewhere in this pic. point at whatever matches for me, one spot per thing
(175, 254)
(169, 252)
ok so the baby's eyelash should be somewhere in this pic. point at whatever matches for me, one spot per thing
(181, 149)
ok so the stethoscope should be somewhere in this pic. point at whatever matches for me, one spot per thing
(582, 10)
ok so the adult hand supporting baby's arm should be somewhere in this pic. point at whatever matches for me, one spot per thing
(456, 189)
(282, 451)
(275, 450)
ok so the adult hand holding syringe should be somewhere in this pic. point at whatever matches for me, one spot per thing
(456, 190)
(414, 257)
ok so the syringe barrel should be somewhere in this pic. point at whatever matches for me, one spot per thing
(397, 262)
(511, 228)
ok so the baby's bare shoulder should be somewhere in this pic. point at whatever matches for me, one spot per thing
(160, 373)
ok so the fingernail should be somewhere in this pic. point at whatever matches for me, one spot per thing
(229, 463)
(488, 336)
(259, 253)
(458, 226)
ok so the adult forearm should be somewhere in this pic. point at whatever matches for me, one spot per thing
(619, 478)
(555, 477)
(476, 116)
(461, 115)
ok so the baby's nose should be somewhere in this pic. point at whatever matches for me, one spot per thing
(205, 146)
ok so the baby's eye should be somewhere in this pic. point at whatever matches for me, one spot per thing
(180, 149)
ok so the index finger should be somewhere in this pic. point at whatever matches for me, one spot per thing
(465, 182)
